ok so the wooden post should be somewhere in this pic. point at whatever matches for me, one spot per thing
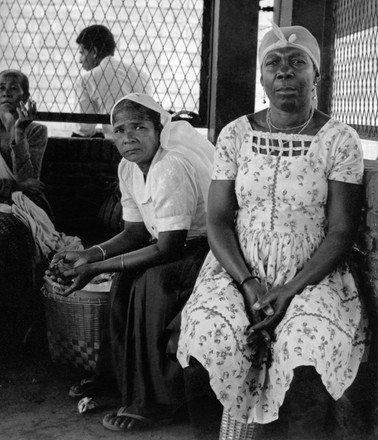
(233, 63)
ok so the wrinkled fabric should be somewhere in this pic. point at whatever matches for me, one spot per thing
(46, 238)
(142, 306)
(173, 201)
(280, 223)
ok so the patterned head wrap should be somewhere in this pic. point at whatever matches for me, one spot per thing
(291, 36)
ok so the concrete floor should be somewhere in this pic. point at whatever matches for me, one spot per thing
(35, 405)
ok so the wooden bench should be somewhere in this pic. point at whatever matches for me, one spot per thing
(364, 392)
(81, 173)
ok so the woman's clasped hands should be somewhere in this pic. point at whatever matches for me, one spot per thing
(266, 309)
(253, 291)
(72, 270)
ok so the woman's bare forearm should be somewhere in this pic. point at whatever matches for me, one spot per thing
(224, 245)
(343, 209)
(221, 229)
(329, 254)
(128, 251)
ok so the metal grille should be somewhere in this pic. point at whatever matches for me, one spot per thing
(163, 36)
(355, 70)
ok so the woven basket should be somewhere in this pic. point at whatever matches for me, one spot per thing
(75, 325)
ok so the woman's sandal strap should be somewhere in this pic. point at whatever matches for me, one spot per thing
(122, 412)
(110, 424)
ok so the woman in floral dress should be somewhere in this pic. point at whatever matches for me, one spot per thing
(275, 306)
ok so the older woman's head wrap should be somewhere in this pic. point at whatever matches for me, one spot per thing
(291, 36)
(179, 136)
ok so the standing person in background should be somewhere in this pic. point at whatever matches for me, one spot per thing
(106, 79)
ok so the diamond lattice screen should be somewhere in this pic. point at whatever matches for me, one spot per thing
(355, 72)
(163, 36)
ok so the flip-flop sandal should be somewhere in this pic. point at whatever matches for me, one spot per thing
(109, 421)
(86, 388)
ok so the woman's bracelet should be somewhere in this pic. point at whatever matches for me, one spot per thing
(103, 251)
(122, 263)
(251, 277)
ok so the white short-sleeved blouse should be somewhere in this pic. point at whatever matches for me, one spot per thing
(171, 199)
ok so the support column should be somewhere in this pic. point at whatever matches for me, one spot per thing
(233, 63)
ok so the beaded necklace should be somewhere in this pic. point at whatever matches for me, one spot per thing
(301, 127)
(270, 126)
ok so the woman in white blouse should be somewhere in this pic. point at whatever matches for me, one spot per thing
(164, 178)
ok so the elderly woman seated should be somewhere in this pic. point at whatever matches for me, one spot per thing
(275, 317)
(22, 146)
(164, 177)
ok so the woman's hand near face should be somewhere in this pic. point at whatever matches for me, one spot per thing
(26, 114)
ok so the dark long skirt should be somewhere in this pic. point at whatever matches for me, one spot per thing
(17, 281)
(144, 323)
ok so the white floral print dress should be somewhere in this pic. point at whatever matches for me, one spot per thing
(281, 186)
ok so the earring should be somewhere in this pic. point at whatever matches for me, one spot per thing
(314, 94)
(314, 90)
(264, 98)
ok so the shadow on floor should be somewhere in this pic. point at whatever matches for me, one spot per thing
(34, 402)
(35, 405)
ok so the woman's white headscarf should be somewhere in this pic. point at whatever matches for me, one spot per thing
(180, 136)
